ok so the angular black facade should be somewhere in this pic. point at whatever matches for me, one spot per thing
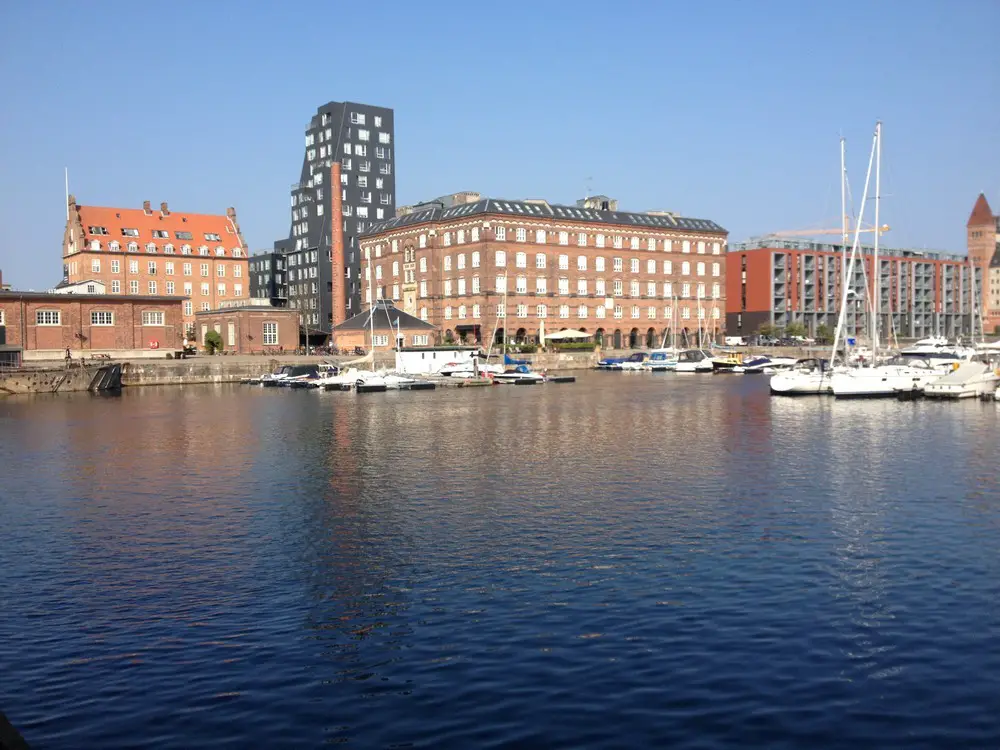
(362, 138)
(268, 277)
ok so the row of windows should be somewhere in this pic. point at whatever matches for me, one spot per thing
(97, 318)
(158, 233)
(168, 268)
(168, 249)
(521, 261)
(582, 312)
(652, 289)
(170, 288)
(541, 236)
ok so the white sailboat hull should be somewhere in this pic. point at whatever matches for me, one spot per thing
(799, 382)
(883, 381)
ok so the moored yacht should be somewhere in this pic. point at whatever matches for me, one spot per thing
(971, 379)
(661, 360)
(900, 375)
(810, 376)
(693, 360)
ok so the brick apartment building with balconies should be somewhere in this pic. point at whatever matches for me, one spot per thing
(146, 252)
(527, 266)
(776, 282)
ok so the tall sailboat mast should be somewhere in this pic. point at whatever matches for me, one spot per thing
(845, 227)
(876, 269)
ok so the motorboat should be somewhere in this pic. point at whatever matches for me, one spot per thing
(633, 362)
(971, 379)
(937, 348)
(610, 363)
(809, 376)
(740, 363)
(900, 375)
(274, 379)
(301, 376)
(693, 360)
(661, 360)
(469, 369)
(520, 375)
(773, 365)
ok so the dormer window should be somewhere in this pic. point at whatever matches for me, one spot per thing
(95, 244)
(237, 252)
(161, 234)
(151, 247)
(212, 237)
(185, 249)
(203, 250)
(168, 249)
(133, 247)
(114, 246)
(220, 250)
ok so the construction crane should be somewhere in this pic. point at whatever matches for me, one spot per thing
(812, 232)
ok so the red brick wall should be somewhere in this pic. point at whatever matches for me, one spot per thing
(248, 329)
(75, 330)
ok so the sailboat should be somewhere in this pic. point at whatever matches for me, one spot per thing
(811, 376)
(899, 375)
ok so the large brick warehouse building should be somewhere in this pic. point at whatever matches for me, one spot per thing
(527, 267)
(147, 252)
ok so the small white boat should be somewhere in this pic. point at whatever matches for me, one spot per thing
(661, 360)
(693, 360)
(520, 375)
(807, 377)
(466, 369)
(968, 380)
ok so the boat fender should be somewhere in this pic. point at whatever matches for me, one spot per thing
(154, 344)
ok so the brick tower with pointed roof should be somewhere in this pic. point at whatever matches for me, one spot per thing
(983, 243)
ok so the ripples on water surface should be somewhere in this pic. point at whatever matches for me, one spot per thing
(630, 561)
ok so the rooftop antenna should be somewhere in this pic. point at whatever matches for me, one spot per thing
(587, 186)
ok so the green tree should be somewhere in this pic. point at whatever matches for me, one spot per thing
(213, 342)
(796, 329)
(823, 334)
(766, 329)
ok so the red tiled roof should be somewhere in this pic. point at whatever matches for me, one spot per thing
(981, 213)
(114, 220)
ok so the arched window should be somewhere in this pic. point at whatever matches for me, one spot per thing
(151, 247)
(133, 247)
(114, 246)
(220, 250)
(168, 249)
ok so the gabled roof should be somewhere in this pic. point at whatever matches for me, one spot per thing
(552, 212)
(995, 261)
(385, 314)
(981, 213)
(114, 220)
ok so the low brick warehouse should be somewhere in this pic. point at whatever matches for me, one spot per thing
(252, 329)
(90, 323)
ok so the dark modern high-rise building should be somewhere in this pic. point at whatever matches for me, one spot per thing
(361, 137)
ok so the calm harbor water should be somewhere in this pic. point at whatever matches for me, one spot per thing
(630, 561)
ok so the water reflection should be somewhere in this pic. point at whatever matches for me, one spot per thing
(640, 560)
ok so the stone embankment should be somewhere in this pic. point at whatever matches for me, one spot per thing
(233, 369)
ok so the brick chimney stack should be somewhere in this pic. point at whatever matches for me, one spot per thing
(164, 211)
(338, 283)
(146, 208)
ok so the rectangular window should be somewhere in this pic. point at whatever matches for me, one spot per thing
(269, 333)
(151, 287)
(420, 339)
(116, 266)
(581, 239)
(618, 311)
(152, 318)
(600, 289)
(651, 266)
(563, 285)
(541, 311)
(170, 287)
(521, 260)
(133, 266)
(581, 311)
(95, 265)
(619, 265)
(169, 268)
(220, 270)
(581, 263)
(651, 243)
(447, 287)
(716, 269)
(461, 287)
(521, 285)
(617, 241)
(540, 236)
(501, 311)
(634, 265)
(204, 269)
(668, 267)
(700, 269)
(540, 260)
(633, 288)
(204, 290)
(101, 318)
(500, 233)
(133, 287)
(116, 287)
(581, 286)
(617, 288)
(599, 240)
(501, 284)
(541, 284)
(701, 247)
(522, 311)
(151, 268)
(221, 290)
(47, 317)
(521, 235)
(650, 288)
(500, 259)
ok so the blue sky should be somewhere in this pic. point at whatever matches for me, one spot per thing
(723, 110)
